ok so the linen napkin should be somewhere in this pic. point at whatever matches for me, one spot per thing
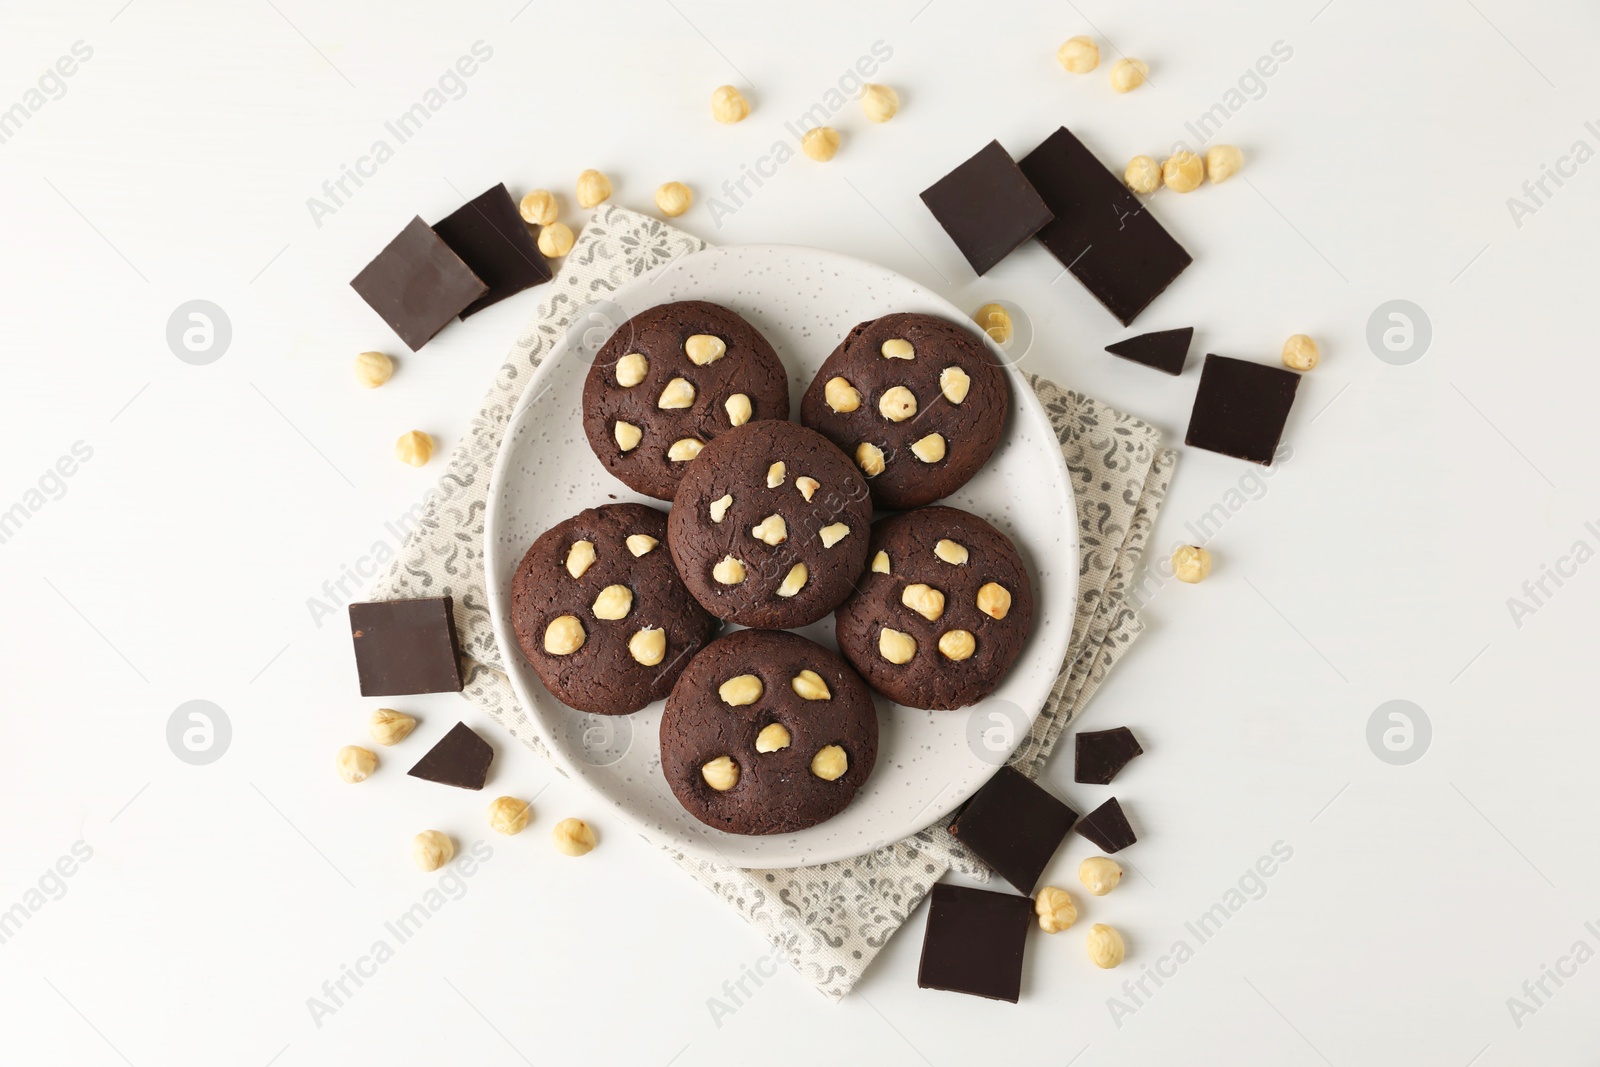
(829, 920)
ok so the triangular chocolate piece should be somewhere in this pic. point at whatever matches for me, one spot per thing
(1102, 753)
(1165, 350)
(461, 758)
(1107, 827)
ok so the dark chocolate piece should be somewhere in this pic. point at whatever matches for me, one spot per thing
(492, 240)
(1102, 233)
(418, 284)
(461, 758)
(987, 207)
(1165, 350)
(1107, 827)
(1240, 408)
(974, 941)
(1014, 826)
(405, 647)
(1102, 753)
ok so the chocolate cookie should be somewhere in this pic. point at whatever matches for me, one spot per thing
(767, 733)
(917, 401)
(600, 612)
(770, 526)
(942, 612)
(671, 379)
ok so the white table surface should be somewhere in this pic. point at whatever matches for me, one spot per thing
(181, 559)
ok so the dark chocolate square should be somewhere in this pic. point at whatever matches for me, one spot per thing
(461, 758)
(1164, 350)
(490, 237)
(987, 207)
(1102, 233)
(1014, 826)
(405, 647)
(1240, 408)
(974, 941)
(418, 284)
(1102, 753)
(1107, 827)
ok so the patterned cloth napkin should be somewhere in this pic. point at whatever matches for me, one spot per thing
(828, 920)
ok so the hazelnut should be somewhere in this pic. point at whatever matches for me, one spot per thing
(728, 571)
(1055, 909)
(704, 349)
(728, 105)
(1300, 353)
(614, 602)
(684, 449)
(820, 143)
(795, 580)
(774, 737)
(808, 685)
(564, 635)
(879, 102)
(951, 552)
(373, 369)
(929, 449)
(508, 815)
(648, 647)
(1222, 162)
(1191, 563)
(925, 600)
(555, 240)
(1128, 74)
(830, 763)
(957, 645)
(673, 199)
(580, 557)
(869, 457)
(539, 207)
(721, 774)
(631, 369)
(1105, 946)
(415, 448)
(772, 530)
(994, 320)
(954, 383)
(807, 487)
(1183, 172)
(1078, 55)
(896, 647)
(776, 474)
(719, 507)
(841, 396)
(994, 600)
(897, 404)
(678, 394)
(897, 348)
(431, 850)
(1099, 874)
(743, 689)
(1143, 175)
(832, 534)
(739, 409)
(641, 544)
(628, 435)
(880, 562)
(356, 764)
(573, 837)
(594, 189)
(390, 727)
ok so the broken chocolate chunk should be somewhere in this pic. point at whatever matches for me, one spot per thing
(461, 758)
(1102, 753)
(987, 207)
(492, 240)
(1014, 826)
(1165, 350)
(418, 284)
(974, 941)
(405, 647)
(1240, 408)
(1107, 827)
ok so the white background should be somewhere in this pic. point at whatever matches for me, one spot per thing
(1374, 565)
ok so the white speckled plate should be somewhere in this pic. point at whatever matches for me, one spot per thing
(804, 301)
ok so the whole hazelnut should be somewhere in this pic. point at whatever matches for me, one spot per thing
(879, 102)
(1128, 74)
(390, 727)
(373, 369)
(356, 763)
(573, 837)
(728, 105)
(414, 447)
(1078, 55)
(594, 189)
(539, 207)
(1223, 162)
(1106, 948)
(1300, 353)
(673, 199)
(1100, 874)
(1055, 909)
(820, 143)
(1143, 175)
(1183, 172)
(555, 240)
(994, 320)
(1191, 563)
(431, 850)
(508, 815)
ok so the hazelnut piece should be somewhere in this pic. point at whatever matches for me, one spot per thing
(508, 815)
(1143, 175)
(373, 369)
(808, 685)
(1105, 946)
(679, 393)
(951, 552)
(1300, 353)
(1055, 909)
(869, 457)
(880, 562)
(728, 571)
(807, 486)
(830, 763)
(390, 727)
(572, 837)
(925, 600)
(641, 544)
(743, 689)
(614, 602)
(594, 188)
(833, 534)
(897, 348)
(954, 383)
(415, 448)
(929, 449)
(539, 207)
(1078, 55)
(879, 102)
(719, 507)
(739, 409)
(631, 369)
(1183, 172)
(684, 449)
(704, 349)
(555, 240)
(994, 600)
(673, 199)
(1191, 563)
(580, 557)
(1223, 162)
(995, 321)
(841, 396)
(774, 737)
(431, 850)
(776, 474)
(356, 764)
(564, 635)
(896, 647)
(648, 647)
(1099, 874)
(820, 143)
(772, 530)
(897, 404)
(957, 645)
(795, 580)
(628, 436)
(721, 774)
(1128, 74)
(728, 105)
